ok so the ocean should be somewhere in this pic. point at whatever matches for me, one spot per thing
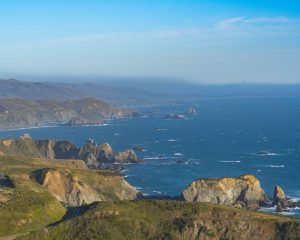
(223, 139)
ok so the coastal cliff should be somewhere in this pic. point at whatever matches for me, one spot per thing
(18, 113)
(75, 188)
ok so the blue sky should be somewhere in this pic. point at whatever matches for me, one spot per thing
(202, 41)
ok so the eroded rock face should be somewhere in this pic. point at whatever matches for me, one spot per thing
(241, 192)
(94, 155)
(127, 156)
(281, 202)
(102, 156)
(77, 189)
(278, 195)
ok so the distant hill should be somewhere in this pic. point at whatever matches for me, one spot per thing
(29, 113)
(119, 96)
(125, 92)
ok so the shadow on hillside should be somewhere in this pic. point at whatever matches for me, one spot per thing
(5, 181)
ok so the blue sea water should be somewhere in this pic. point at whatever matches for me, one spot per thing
(222, 140)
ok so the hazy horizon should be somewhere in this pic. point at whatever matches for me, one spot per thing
(206, 42)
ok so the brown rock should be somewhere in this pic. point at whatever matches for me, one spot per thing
(278, 195)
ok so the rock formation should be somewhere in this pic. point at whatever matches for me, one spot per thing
(241, 192)
(76, 189)
(175, 116)
(102, 156)
(95, 156)
(279, 198)
(75, 121)
(281, 202)
(191, 111)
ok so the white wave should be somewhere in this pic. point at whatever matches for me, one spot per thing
(275, 166)
(230, 161)
(172, 140)
(117, 134)
(152, 158)
(159, 158)
(290, 213)
(157, 192)
(274, 154)
(92, 125)
(27, 128)
(161, 129)
(267, 209)
(294, 199)
(178, 154)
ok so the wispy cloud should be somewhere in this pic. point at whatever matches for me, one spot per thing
(254, 25)
(228, 23)
(236, 22)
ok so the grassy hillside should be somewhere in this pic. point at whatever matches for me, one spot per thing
(163, 219)
(28, 206)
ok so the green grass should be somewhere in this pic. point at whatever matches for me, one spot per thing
(162, 219)
(29, 206)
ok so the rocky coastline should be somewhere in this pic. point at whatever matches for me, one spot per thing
(95, 156)
(17, 113)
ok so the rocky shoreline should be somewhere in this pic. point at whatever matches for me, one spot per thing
(95, 156)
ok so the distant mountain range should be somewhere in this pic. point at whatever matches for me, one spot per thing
(119, 96)
(126, 92)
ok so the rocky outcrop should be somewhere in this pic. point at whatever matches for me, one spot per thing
(103, 157)
(278, 195)
(175, 116)
(281, 202)
(75, 121)
(127, 156)
(95, 156)
(191, 111)
(241, 192)
(76, 189)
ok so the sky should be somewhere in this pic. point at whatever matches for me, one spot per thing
(203, 41)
